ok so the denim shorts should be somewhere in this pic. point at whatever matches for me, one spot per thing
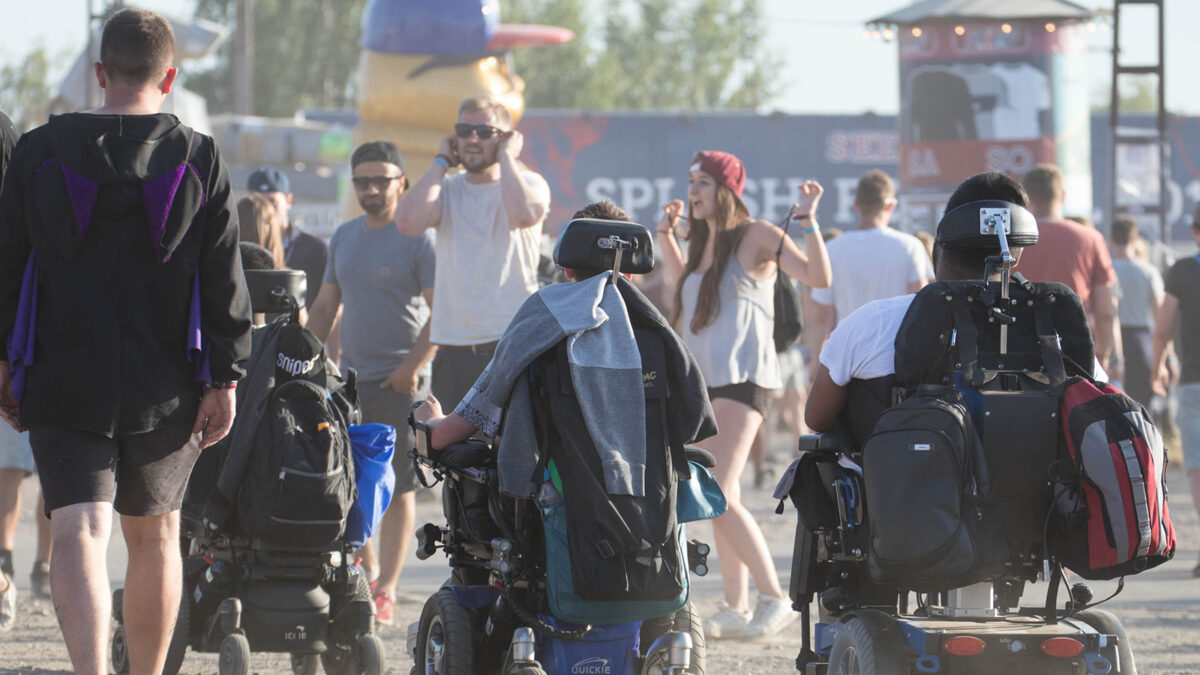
(1188, 421)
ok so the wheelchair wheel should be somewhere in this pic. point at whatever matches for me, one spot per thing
(869, 644)
(179, 638)
(119, 651)
(445, 637)
(686, 620)
(235, 655)
(1109, 624)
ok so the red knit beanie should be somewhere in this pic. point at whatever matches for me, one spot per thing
(723, 168)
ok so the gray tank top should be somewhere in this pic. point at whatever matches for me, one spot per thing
(738, 346)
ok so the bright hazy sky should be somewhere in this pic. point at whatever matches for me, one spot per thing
(829, 67)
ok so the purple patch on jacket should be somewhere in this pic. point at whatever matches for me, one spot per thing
(83, 194)
(198, 351)
(20, 341)
(158, 196)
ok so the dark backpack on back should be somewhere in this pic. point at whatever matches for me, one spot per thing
(300, 487)
(621, 547)
(926, 483)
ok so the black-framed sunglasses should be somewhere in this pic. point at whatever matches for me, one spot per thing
(380, 183)
(483, 131)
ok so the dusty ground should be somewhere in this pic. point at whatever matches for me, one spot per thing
(1160, 608)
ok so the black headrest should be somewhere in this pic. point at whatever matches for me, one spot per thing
(973, 225)
(268, 288)
(585, 244)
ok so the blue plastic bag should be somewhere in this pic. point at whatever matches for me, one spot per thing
(700, 498)
(372, 446)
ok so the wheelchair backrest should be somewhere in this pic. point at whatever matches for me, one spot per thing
(1010, 380)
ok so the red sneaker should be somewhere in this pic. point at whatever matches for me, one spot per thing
(384, 606)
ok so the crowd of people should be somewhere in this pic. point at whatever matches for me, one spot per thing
(414, 294)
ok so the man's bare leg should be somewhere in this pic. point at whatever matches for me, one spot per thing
(79, 581)
(153, 583)
(10, 505)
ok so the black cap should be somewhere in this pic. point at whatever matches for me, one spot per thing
(268, 179)
(299, 356)
(377, 151)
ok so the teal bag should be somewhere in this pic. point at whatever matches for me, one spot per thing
(699, 498)
(565, 604)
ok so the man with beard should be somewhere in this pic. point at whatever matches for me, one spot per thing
(489, 220)
(380, 276)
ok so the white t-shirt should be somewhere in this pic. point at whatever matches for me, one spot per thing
(1140, 287)
(485, 269)
(863, 345)
(870, 265)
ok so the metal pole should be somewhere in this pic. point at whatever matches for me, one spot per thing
(242, 61)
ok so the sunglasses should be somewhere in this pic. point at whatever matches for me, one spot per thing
(378, 182)
(483, 131)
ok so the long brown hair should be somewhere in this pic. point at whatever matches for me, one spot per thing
(729, 222)
(258, 222)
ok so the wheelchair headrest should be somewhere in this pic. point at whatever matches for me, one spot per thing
(586, 244)
(270, 289)
(973, 225)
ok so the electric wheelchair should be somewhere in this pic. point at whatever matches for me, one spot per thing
(510, 605)
(996, 344)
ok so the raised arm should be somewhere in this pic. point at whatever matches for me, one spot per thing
(525, 203)
(668, 242)
(421, 207)
(810, 266)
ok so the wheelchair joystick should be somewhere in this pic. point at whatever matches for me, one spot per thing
(698, 556)
(428, 538)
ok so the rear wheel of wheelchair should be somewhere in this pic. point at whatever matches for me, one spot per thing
(119, 651)
(869, 644)
(306, 664)
(686, 620)
(1108, 624)
(119, 648)
(235, 655)
(177, 649)
(445, 637)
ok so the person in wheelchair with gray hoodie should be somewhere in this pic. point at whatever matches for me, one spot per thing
(591, 398)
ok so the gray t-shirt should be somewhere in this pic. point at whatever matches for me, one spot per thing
(381, 273)
(1141, 286)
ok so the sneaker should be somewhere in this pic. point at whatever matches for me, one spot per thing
(39, 579)
(727, 623)
(770, 616)
(384, 607)
(8, 602)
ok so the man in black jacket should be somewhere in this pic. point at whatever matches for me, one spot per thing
(302, 251)
(118, 248)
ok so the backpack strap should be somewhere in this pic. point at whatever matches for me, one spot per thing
(1052, 356)
(966, 340)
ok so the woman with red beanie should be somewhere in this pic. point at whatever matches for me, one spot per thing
(724, 310)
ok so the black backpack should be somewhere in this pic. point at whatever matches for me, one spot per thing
(621, 547)
(926, 485)
(300, 486)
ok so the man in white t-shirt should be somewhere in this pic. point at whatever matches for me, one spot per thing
(863, 344)
(872, 262)
(489, 221)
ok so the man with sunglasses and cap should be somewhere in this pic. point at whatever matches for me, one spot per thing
(489, 222)
(383, 280)
(302, 251)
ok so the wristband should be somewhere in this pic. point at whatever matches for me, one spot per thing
(221, 385)
(801, 216)
(443, 160)
(809, 230)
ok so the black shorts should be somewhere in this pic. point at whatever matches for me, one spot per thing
(747, 393)
(139, 474)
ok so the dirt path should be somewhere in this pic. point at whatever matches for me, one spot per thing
(1161, 608)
